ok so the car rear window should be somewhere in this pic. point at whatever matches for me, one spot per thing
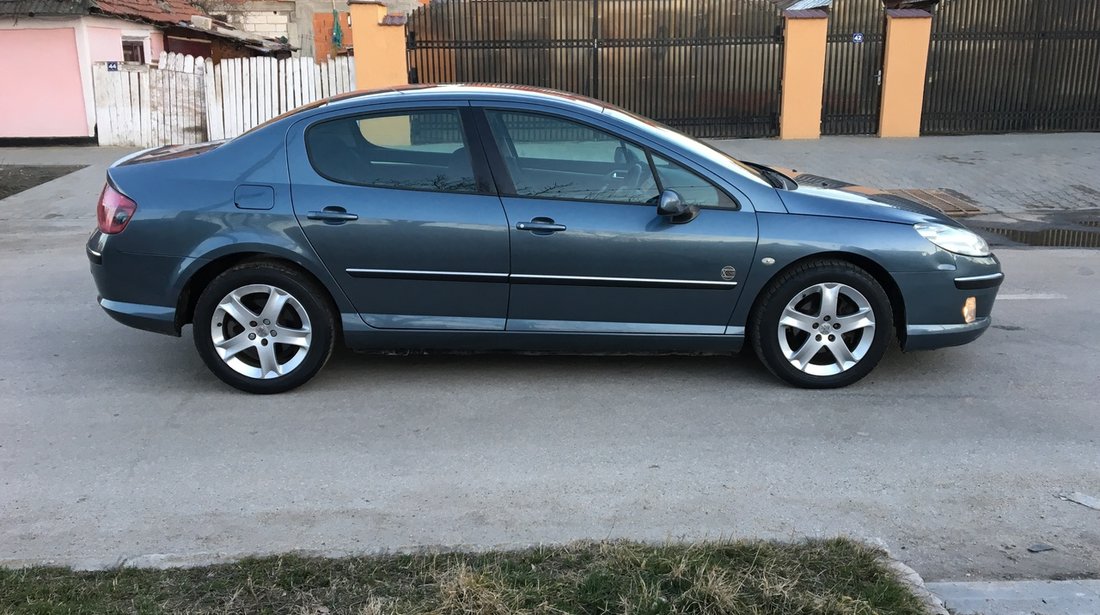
(421, 150)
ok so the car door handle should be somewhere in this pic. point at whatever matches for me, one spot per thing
(332, 215)
(540, 226)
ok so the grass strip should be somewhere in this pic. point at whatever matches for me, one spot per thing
(829, 577)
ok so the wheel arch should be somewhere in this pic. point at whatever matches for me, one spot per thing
(868, 264)
(198, 280)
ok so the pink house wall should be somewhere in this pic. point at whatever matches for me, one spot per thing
(43, 96)
(156, 45)
(104, 44)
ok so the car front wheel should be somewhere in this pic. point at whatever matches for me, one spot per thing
(823, 324)
(263, 327)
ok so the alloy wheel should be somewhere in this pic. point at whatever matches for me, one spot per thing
(826, 329)
(261, 331)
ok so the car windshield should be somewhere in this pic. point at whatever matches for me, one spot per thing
(691, 144)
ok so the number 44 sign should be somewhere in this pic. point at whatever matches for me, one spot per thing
(112, 67)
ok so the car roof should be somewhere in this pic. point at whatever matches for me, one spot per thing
(471, 91)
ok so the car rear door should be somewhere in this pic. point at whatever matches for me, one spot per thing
(400, 206)
(589, 251)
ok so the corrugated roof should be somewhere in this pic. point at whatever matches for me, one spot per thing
(393, 19)
(806, 14)
(224, 30)
(179, 13)
(904, 13)
(43, 7)
(154, 11)
(910, 4)
(801, 5)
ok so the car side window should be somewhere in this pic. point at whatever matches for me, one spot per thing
(551, 157)
(421, 150)
(692, 188)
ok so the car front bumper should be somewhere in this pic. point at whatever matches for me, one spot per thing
(934, 303)
(926, 337)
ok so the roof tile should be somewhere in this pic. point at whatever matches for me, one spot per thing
(156, 11)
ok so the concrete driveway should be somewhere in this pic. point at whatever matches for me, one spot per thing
(119, 445)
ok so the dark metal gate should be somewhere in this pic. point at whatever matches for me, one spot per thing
(711, 68)
(1012, 66)
(853, 68)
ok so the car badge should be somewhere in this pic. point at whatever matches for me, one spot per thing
(728, 273)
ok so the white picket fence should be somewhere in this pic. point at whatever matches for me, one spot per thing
(144, 106)
(245, 92)
(190, 100)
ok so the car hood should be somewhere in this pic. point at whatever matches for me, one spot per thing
(822, 196)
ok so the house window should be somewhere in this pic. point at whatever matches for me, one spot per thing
(133, 52)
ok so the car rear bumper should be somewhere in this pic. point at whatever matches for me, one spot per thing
(135, 289)
(155, 318)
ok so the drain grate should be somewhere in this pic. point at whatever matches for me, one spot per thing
(1049, 237)
(950, 202)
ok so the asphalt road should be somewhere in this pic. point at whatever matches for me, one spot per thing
(117, 444)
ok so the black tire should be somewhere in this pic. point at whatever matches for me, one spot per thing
(304, 290)
(765, 332)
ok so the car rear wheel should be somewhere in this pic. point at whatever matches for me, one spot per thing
(263, 327)
(824, 324)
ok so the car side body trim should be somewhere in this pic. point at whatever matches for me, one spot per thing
(577, 326)
(430, 322)
(523, 278)
(580, 280)
(457, 276)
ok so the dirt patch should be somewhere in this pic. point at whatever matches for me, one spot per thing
(17, 178)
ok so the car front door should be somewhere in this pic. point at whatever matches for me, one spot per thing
(400, 207)
(589, 251)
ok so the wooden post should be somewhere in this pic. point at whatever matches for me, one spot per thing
(803, 73)
(908, 33)
(379, 46)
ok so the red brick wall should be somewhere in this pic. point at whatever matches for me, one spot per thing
(322, 35)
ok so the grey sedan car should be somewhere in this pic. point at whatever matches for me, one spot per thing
(516, 219)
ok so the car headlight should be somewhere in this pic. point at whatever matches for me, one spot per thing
(953, 239)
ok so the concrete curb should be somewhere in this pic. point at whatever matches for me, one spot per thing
(1031, 597)
(932, 603)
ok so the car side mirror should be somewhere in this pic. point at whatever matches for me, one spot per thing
(671, 205)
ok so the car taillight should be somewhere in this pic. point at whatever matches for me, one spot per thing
(114, 210)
